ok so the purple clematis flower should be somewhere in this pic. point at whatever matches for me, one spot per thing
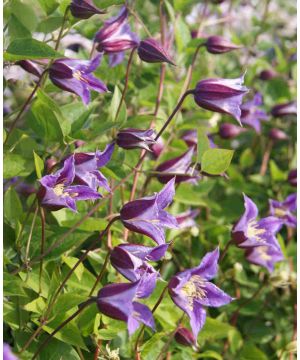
(191, 290)
(75, 76)
(7, 353)
(149, 50)
(267, 74)
(131, 261)
(249, 232)
(219, 45)
(56, 191)
(87, 165)
(186, 219)
(147, 215)
(136, 138)
(265, 256)
(285, 109)
(284, 210)
(230, 131)
(252, 115)
(116, 58)
(185, 337)
(84, 9)
(31, 67)
(277, 135)
(179, 166)
(115, 36)
(221, 95)
(118, 301)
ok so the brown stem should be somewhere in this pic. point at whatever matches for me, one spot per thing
(100, 276)
(81, 307)
(126, 83)
(43, 222)
(136, 346)
(97, 351)
(93, 49)
(32, 337)
(224, 252)
(266, 157)
(62, 28)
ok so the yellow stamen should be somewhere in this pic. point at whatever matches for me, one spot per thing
(77, 74)
(262, 250)
(254, 232)
(58, 189)
(194, 289)
(279, 212)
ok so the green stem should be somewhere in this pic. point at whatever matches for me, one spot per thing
(100, 276)
(43, 222)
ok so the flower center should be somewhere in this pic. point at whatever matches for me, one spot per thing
(77, 74)
(59, 189)
(279, 212)
(262, 251)
(253, 231)
(194, 289)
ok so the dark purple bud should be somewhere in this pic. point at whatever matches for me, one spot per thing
(136, 138)
(230, 131)
(151, 51)
(30, 67)
(221, 95)
(219, 45)
(49, 164)
(292, 177)
(285, 109)
(115, 36)
(84, 9)
(268, 75)
(79, 143)
(276, 134)
(185, 337)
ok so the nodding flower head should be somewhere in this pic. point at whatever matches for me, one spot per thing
(75, 76)
(136, 138)
(285, 210)
(219, 45)
(57, 192)
(151, 51)
(185, 337)
(147, 215)
(250, 232)
(192, 291)
(221, 95)
(265, 256)
(282, 110)
(115, 36)
(84, 9)
(118, 301)
(277, 135)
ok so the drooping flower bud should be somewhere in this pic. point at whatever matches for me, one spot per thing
(277, 134)
(268, 74)
(285, 109)
(84, 9)
(151, 51)
(230, 131)
(221, 95)
(219, 45)
(185, 337)
(292, 177)
(157, 148)
(30, 67)
(136, 138)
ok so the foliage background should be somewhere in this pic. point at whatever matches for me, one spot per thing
(56, 119)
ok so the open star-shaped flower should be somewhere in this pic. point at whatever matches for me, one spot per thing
(57, 191)
(250, 232)
(118, 301)
(192, 291)
(147, 215)
(75, 76)
(285, 210)
(265, 256)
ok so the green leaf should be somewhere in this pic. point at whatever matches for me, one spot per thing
(24, 13)
(20, 49)
(71, 262)
(57, 350)
(39, 165)
(202, 145)
(214, 329)
(182, 34)
(216, 161)
(12, 206)
(153, 347)
(17, 29)
(48, 5)
(115, 101)
(247, 158)
(276, 173)
(37, 306)
(251, 352)
(16, 165)
(49, 25)
(210, 354)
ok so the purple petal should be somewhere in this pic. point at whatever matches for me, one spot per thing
(116, 58)
(146, 252)
(149, 228)
(208, 267)
(67, 173)
(197, 318)
(214, 296)
(265, 256)
(141, 314)
(250, 214)
(82, 192)
(165, 196)
(104, 157)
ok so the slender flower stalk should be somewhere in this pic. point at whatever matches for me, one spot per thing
(43, 222)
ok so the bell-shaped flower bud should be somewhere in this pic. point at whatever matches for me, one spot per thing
(230, 131)
(268, 74)
(157, 148)
(136, 138)
(221, 95)
(151, 51)
(84, 9)
(30, 67)
(285, 109)
(219, 45)
(292, 177)
(185, 337)
(277, 134)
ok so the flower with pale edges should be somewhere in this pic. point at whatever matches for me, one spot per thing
(252, 115)
(57, 192)
(131, 260)
(285, 210)
(119, 301)
(84, 9)
(192, 291)
(251, 232)
(147, 215)
(265, 256)
(75, 76)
